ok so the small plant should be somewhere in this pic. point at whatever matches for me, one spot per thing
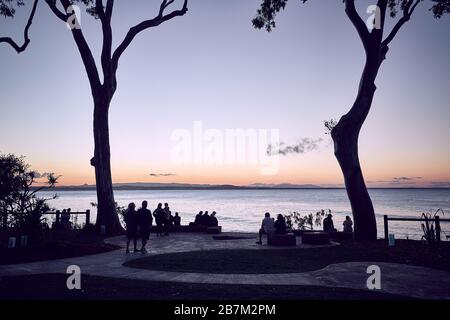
(329, 126)
(429, 228)
(295, 221)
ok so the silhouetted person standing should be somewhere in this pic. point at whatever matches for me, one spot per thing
(130, 218)
(145, 221)
(166, 222)
(159, 219)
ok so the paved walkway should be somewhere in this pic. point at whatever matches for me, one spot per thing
(417, 282)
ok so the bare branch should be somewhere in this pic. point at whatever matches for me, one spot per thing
(146, 25)
(107, 39)
(358, 23)
(52, 5)
(407, 12)
(109, 9)
(85, 52)
(26, 37)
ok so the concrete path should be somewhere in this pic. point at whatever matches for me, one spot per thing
(417, 282)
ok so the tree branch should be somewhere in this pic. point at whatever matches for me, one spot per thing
(146, 25)
(407, 12)
(109, 9)
(85, 52)
(52, 5)
(26, 37)
(107, 40)
(358, 23)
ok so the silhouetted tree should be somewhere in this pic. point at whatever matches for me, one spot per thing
(7, 10)
(102, 92)
(345, 133)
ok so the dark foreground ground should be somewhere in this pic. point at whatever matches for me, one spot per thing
(299, 260)
(53, 286)
(73, 245)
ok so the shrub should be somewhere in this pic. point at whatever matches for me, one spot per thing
(295, 221)
(19, 200)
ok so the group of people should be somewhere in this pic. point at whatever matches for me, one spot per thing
(206, 220)
(139, 223)
(328, 224)
(270, 225)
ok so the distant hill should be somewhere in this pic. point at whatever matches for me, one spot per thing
(188, 186)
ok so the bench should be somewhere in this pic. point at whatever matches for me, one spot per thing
(214, 230)
(339, 235)
(287, 239)
(316, 237)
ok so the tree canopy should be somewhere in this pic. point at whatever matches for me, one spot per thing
(266, 14)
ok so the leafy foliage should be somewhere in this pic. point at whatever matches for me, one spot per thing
(18, 196)
(428, 227)
(266, 14)
(7, 7)
(329, 125)
(295, 221)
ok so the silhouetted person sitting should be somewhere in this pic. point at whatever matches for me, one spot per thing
(205, 219)
(267, 227)
(159, 215)
(280, 225)
(145, 221)
(198, 218)
(213, 222)
(130, 218)
(328, 224)
(348, 224)
(177, 220)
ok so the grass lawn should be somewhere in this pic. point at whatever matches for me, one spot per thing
(53, 286)
(298, 260)
(73, 246)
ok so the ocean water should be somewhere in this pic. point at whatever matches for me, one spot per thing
(242, 210)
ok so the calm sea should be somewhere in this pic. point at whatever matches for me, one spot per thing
(242, 210)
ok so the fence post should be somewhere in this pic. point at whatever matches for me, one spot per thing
(58, 216)
(88, 217)
(438, 228)
(386, 228)
(5, 220)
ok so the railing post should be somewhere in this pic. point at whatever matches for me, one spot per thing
(438, 228)
(58, 216)
(386, 227)
(88, 217)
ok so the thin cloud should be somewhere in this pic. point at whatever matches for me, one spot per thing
(162, 174)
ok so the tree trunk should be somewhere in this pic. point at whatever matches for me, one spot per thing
(106, 210)
(345, 136)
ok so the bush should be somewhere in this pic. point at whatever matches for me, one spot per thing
(19, 200)
(295, 221)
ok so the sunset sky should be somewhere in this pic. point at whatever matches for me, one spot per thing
(212, 66)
